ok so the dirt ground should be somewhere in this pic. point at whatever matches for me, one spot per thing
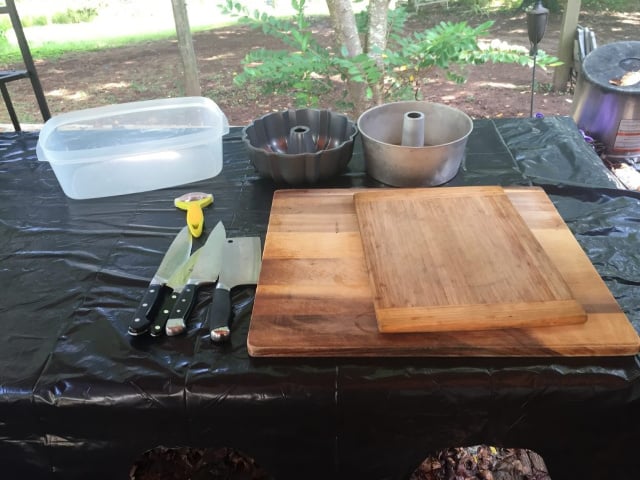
(475, 463)
(153, 70)
(480, 462)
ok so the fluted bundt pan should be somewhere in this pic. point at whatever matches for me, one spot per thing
(299, 147)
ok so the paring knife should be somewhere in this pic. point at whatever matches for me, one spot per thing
(205, 270)
(241, 264)
(177, 254)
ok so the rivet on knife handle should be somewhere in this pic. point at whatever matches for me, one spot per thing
(176, 324)
(157, 327)
(146, 310)
(220, 314)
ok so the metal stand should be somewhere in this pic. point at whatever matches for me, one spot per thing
(536, 25)
(533, 84)
(30, 72)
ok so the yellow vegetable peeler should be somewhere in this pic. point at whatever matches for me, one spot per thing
(193, 203)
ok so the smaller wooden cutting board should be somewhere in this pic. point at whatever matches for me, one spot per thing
(458, 258)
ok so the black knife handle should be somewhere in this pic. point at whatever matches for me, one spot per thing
(160, 320)
(147, 309)
(220, 314)
(181, 310)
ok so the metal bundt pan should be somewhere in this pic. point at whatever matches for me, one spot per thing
(299, 147)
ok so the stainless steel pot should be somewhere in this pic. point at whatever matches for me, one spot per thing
(610, 113)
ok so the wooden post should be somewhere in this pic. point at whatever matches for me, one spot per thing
(565, 47)
(187, 52)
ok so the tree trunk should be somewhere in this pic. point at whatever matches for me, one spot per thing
(187, 52)
(344, 24)
(377, 39)
(346, 30)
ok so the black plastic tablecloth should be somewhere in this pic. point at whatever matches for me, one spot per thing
(80, 398)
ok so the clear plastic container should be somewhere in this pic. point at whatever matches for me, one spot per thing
(134, 147)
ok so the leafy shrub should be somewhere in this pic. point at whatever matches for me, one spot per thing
(5, 25)
(308, 69)
(39, 20)
(554, 6)
(611, 5)
(75, 15)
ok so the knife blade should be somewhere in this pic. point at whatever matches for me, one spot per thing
(177, 253)
(205, 270)
(242, 259)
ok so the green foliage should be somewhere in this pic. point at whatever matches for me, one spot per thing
(5, 25)
(476, 7)
(39, 20)
(75, 15)
(557, 6)
(610, 5)
(305, 69)
(554, 6)
(309, 70)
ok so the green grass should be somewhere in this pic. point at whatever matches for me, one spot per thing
(10, 54)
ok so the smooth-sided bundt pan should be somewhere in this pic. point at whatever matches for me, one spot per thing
(300, 147)
(414, 143)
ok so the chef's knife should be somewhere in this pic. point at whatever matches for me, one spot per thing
(176, 255)
(177, 281)
(160, 318)
(241, 263)
(205, 270)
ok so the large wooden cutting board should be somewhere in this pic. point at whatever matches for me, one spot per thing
(314, 300)
(459, 258)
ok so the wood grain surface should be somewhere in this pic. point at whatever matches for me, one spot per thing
(459, 258)
(314, 300)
